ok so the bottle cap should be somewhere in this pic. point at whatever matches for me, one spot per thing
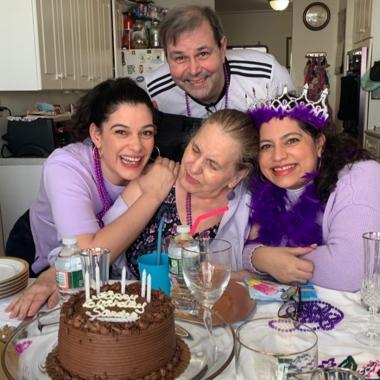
(183, 229)
(69, 240)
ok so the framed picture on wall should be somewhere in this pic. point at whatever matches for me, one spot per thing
(288, 52)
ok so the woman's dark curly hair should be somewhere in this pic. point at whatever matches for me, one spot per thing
(99, 103)
(339, 150)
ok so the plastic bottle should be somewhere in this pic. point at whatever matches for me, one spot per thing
(68, 269)
(180, 294)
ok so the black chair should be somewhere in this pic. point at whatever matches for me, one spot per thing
(20, 242)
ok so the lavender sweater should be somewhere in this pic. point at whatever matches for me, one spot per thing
(352, 209)
(68, 199)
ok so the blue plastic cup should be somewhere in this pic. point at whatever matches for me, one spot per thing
(159, 273)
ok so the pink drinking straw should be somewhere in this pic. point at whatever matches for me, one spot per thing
(206, 215)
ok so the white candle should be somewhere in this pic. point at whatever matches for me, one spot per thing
(87, 285)
(149, 288)
(123, 273)
(97, 277)
(143, 283)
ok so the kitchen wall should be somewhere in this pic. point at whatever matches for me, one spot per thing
(251, 28)
(305, 40)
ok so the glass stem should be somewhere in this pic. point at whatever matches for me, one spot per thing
(207, 320)
(371, 325)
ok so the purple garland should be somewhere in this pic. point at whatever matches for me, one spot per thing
(295, 227)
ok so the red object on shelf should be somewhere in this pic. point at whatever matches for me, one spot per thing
(128, 21)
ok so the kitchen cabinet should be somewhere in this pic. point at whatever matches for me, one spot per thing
(56, 36)
(55, 44)
(362, 20)
(94, 30)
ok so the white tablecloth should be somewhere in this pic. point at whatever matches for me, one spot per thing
(338, 343)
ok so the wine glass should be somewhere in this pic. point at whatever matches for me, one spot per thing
(206, 266)
(370, 290)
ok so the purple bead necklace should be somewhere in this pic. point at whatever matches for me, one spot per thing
(227, 86)
(189, 215)
(318, 315)
(104, 196)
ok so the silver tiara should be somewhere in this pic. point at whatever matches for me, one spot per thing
(299, 108)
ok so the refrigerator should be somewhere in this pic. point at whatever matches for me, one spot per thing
(137, 63)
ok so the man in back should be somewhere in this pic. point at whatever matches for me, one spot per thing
(201, 76)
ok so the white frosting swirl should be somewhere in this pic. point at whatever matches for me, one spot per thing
(100, 307)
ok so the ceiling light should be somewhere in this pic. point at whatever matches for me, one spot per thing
(279, 5)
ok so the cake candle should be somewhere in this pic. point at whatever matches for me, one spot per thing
(149, 288)
(143, 283)
(87, 285)
(123, 273)
(97, 277)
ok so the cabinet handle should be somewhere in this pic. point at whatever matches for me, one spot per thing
(59, 76)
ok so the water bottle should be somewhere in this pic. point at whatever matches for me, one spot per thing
(68, 269)
(180, 294)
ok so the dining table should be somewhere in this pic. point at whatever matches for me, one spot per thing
(334, 345)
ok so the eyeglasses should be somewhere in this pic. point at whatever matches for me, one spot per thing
(291, 307)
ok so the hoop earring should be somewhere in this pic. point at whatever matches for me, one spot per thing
(319, 163)
(231, 194)
(157, 154)
(95, 153)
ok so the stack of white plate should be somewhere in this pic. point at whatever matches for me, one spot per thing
(14, 274)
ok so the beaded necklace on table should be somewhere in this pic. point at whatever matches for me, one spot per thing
(104, 196)
(227, 86)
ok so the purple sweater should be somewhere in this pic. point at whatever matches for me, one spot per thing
(352, 209)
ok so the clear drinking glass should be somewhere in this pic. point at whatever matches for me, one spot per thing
(206, 267)
(274, 348)
(370, 290)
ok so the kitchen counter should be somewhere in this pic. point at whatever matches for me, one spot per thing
(22, 161)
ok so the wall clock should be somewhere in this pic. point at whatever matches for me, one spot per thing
(316, 16)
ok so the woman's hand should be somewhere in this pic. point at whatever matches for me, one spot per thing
(159, 178)
(34, 297)
(285, 264)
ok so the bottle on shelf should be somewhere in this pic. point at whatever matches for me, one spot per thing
(154, 40)
(129, 22)
(181, 296)
(68, 269)
(139, 36)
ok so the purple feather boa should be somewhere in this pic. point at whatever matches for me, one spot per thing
(296, 227)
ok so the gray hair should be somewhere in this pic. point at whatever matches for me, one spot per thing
(186, 19)
(241, 128)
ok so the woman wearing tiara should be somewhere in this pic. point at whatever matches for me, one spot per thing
(315, 196)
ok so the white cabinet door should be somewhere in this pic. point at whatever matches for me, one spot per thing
(48, 28)
(84, 49)
(67, 37)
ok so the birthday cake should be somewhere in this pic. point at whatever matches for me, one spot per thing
(118, 336)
